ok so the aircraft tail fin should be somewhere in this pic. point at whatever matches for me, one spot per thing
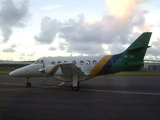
(138, 48)
(132, 58)
(141, 41)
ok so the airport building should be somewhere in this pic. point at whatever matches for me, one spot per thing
(152, 65)
(14, 63)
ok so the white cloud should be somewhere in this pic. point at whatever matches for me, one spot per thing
(84, 37)
(52, 48)
(10, 50)
(119, 26)
(51, 7)
(123, 8)
(49, 30)
(12, 15)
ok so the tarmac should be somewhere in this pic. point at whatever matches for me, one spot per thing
(109, 98)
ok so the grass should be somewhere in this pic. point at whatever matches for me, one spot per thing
(7, 70)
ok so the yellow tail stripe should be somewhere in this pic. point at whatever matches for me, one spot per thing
(99, 66)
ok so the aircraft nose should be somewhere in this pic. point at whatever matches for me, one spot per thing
(18, 73)
(13, 74)
(27, 71)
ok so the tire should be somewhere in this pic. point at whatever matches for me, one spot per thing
(28, 84)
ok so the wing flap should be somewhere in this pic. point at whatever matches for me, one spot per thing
(70, 69)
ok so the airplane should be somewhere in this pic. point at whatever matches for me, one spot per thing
(76, 69)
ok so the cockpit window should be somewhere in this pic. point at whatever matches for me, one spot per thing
(52, 62)
(38, 62)
(41, 61)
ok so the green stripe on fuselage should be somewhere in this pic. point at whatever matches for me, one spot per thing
(54, 69)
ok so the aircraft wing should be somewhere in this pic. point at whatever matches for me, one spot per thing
(70, 69)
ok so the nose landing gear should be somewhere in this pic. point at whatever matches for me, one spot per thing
(28, 84)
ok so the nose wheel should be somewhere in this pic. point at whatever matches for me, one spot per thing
(28, 84)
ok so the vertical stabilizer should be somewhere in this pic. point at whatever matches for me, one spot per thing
(132, 58)
(138, 48)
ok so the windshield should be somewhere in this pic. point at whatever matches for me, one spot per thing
(38, 62)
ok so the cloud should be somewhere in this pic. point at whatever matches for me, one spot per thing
(49, 29)
(155, 47)
(66, 26)
(13, 45)
(122, 8)
(51, 7)
(29, 56)
(62, 46)
(52, 48)
(83, 37)
(12, 15)
(8, 50)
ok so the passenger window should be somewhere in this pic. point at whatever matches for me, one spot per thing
(52, 62)
(88, 62)
(59, 62)
(74, 62)
(65, 62)
(94, 62)
(81, 62)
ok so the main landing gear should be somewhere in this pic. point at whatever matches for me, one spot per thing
(75, 83)
(28, 84)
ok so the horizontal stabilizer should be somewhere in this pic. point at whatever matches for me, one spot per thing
(130, 49)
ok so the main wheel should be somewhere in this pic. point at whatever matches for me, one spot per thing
(75, 88)
(28, 84)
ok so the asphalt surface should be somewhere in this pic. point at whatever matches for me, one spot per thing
(102, 98)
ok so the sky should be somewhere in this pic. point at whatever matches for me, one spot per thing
(30, 29)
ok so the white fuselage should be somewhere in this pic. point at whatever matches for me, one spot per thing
(85, 63)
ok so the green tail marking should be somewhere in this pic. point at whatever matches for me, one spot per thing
(132, 58)
(136, 51)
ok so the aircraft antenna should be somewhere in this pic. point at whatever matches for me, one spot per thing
(71, 55)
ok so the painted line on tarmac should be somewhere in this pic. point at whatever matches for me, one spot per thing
(122, 92)
(91, 90)
(16, 89)
(12, 84)
(118, 92)
(52, 86)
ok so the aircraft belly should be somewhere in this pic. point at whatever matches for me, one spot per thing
(68, 78)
